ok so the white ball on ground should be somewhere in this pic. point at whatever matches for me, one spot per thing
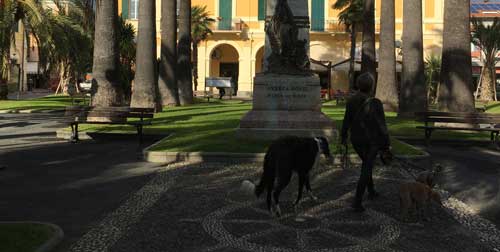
(248, 187)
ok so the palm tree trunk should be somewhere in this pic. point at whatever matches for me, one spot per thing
(195, 64)
(486, 90)
(353, 56)
(387, 90)
(184, 80)
(4, 52)
(456, 71)
(494, 85)
(144, 94)
(479, 84)
(167, 84)
(108, 91)
(368, 59)
(413, 87)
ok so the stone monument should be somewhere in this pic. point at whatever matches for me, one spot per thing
(286, 96)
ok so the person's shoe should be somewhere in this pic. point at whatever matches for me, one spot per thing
(373, 195)
(357, 207)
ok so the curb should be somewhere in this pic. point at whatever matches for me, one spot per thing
(174, 157)
(29, 111)
(50, 243)
(66, 134)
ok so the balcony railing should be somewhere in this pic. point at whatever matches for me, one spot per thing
(317, 25)
(225, 24)
(228, 25)
(332, 25)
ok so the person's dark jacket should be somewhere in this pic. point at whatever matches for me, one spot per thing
(365, 119)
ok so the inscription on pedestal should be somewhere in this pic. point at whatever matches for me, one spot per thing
(282, 92)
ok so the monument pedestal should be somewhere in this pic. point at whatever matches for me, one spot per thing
(285, 105)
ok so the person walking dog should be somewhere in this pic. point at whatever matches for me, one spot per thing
(364, 121)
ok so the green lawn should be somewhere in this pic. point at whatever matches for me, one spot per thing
(211, 126)
(23, 237)
(493, 107)
(44, 103)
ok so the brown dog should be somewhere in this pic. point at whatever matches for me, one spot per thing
(429, 177)
(416, 196)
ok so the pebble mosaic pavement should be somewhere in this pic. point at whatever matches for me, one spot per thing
(199, 207)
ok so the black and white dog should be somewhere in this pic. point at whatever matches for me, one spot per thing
(283, 157)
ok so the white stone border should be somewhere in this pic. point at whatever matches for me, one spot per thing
(52, 242)
(467, 217)
(29, 111)
(172, 157)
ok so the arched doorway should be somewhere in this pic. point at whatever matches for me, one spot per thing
(224, 62)
(259, 60)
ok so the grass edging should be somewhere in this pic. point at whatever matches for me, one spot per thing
(52, 242)
(172, 157)
(65, 133)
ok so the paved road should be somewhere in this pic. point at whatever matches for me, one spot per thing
(471, 173)
(78, 185)
(71, 185)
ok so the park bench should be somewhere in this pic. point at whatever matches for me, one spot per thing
(80, 98)
(82, 94)
(204, 94)
(75, 115)
(337, 95)
(481, 122)
(340, 95)
(218, 82)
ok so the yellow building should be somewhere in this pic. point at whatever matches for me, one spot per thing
(236, 47)
(24, 60)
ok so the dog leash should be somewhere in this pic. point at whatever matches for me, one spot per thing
(344, 159)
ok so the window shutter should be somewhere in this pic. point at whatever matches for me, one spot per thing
(318, 15)
(225, 12)
(125, 9)
(262, 9)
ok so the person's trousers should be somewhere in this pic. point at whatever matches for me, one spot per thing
(368, 153)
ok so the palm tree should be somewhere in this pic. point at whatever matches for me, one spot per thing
(167, 83)
(487, 37)
(368, 58)
(59, 36)
(144, 89)
(351, 15)
(387, 90)
(85, 14)
(432, 77)
(200, 29)
(11, 13)
(108, 90)
(413, 90)
(128, 53)
(184, 80)
(455, 93)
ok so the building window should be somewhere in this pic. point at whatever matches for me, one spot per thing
(125, 9)
(318, 15)
(134, 9)
(225, 14)
(262, 9)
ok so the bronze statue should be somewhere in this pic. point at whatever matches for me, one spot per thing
(289, 54)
